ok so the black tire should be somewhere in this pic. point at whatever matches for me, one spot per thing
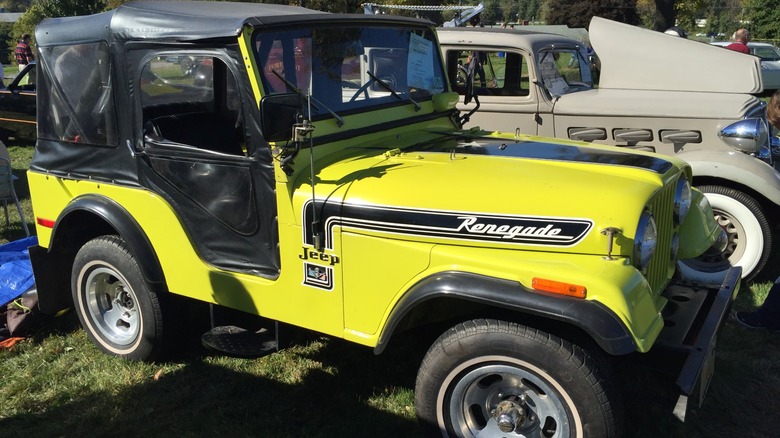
(749, 238)
(482, 367)
(118, 309)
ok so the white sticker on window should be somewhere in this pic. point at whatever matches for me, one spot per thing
(420, 72)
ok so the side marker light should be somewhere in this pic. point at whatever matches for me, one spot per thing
(560, 288)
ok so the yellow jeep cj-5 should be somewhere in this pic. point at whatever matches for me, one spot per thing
(311, 169)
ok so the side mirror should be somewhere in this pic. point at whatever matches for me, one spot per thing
(278, 113)
(467, 76)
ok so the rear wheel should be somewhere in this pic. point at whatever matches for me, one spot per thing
(492, 378)
(749, 238)
(116, 306)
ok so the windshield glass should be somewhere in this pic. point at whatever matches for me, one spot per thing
(766, 53)
(564, 71)
(348, 68)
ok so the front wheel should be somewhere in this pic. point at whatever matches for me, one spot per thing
(749, 238)
(492, 378)
(116, 306)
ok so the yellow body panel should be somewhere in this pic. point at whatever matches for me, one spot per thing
(185, 273)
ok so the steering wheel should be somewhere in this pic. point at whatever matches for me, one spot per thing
(363, 89)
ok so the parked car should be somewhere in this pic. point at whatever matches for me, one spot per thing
(675, 96)
(326, 182)
(770, 62)
(17, 106)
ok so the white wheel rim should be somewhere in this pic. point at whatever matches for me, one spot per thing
(746, 239)
(110, 307)
(478, 385)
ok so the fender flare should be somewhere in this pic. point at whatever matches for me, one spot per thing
(125, 225)
(738, 167)
(592, 317)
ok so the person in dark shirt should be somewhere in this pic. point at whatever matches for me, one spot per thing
(23, 52)
(741, 38)
(768, 315)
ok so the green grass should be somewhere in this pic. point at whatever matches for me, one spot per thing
(20, 162)
(58, 384)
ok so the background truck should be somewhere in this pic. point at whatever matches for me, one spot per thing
(653, 92)
(310, 170)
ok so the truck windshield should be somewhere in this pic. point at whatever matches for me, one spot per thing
(349, 68)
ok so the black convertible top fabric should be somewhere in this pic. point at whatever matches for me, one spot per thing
(183, 21)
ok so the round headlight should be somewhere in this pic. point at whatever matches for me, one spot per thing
(645, 241)
(682, 199)
(746, 135)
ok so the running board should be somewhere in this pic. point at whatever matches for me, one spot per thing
(238, 342)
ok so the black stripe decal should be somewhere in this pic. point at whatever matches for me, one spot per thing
(459, 225)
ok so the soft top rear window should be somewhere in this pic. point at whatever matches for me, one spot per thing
(76, 103)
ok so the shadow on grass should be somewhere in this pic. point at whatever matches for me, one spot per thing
(207, 399)
(206, 396)
(741, 400)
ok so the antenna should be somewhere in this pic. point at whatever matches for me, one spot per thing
(301, 131)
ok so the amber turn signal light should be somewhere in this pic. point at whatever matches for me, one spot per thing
(559, 288)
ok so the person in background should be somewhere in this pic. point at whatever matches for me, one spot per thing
(741, 38)
(23, 52)
(767, 316)
(677, 31)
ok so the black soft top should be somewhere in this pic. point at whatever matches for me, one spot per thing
(183, 21)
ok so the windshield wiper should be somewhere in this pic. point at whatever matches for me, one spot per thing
(314, 102)
(387, 87)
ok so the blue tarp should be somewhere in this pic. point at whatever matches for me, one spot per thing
(16, 275)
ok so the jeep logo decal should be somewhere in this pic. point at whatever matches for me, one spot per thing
(526, 230)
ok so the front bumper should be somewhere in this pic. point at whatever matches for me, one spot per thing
(693, 317)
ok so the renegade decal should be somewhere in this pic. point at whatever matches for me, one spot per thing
(318, 276)
(528, 230)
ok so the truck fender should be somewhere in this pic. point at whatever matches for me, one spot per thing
(592, 317)
(52, 267)
(741, 168)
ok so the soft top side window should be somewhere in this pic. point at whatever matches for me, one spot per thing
(79, 106)
(192, 100)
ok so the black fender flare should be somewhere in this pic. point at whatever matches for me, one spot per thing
(125, 225)
(52, 266)
(592, 317)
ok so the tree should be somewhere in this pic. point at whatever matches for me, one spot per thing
(41, 9)
(764, 16)
(723, 16)
(646, 10)
(577, 13)
(16, 5)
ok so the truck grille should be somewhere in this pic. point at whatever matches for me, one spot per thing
(661, 267)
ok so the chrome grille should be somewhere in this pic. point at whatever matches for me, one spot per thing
(661, 267)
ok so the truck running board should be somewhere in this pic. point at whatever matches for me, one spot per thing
(238, 342)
